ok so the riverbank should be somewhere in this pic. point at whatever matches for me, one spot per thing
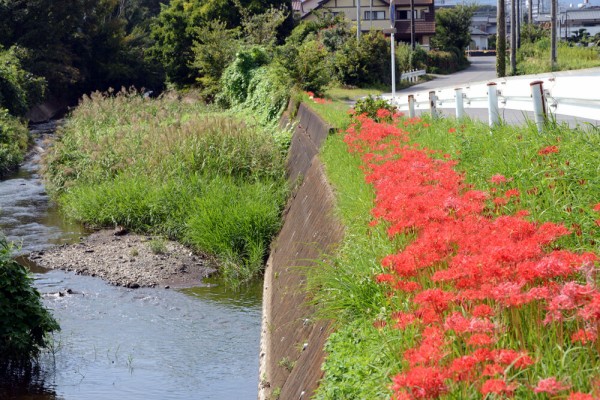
(128, 260)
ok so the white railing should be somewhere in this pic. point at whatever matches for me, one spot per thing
(412, 75)
(572, 93)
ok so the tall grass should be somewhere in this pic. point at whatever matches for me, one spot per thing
(167, 166)
(534, 58)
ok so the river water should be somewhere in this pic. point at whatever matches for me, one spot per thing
(119, 343)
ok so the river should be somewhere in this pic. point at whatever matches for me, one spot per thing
(119, 343)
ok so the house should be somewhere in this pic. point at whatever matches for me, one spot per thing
(571, 20)
(375, 15)
(479, 39)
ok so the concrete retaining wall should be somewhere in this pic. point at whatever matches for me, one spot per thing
(292, 340)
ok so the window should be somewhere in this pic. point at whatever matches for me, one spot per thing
(405, 14)
(377, 15)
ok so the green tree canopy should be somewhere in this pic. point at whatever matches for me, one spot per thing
(452, 28)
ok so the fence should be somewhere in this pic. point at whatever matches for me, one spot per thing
(574, 93)
(412, 75)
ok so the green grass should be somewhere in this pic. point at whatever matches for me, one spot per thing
(560, 187)
(177, 168)
(535, 58)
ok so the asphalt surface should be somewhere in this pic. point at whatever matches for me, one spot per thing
(483, 69)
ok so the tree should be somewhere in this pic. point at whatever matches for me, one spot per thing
(174, 30)
(452, 29)
(214, 50)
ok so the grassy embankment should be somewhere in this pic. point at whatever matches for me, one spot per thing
(534, 58)
(367, 350)
(177, 168)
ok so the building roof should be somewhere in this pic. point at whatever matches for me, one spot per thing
(477, 32)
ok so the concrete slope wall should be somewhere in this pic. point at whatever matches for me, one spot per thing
(292, 340)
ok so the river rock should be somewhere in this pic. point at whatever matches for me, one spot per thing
(129, 262)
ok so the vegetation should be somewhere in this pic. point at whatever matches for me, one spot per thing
(533, 58)
(377, 348)
(174, 167)
(14, 139)
(24, 322)
(452, 32)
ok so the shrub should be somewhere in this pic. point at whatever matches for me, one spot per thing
(24, 322)
(365, 62)
(444, 62)
(372, 105)
(311, 68)
(13, 142)
(237, 76)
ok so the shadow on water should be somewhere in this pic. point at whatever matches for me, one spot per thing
(214, 291)
(27, 382)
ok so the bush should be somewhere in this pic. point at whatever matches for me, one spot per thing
(444, 62)
(364, 63)
(13, 142)
(237, 76)
(24, 322)
(371, 106)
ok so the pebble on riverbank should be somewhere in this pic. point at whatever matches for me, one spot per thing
(128, 260)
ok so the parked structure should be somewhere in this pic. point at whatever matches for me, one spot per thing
(375, 15)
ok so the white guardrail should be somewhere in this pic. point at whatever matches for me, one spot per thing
(412, 75)
(572, 93)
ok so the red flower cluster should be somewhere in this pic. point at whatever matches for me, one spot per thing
(464, 268)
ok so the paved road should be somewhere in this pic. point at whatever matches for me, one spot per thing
(483, 69)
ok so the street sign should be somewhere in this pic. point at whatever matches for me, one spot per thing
(392, 13)
(389, 31)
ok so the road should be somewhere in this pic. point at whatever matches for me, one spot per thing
(483, 69)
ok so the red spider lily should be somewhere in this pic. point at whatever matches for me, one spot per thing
(422, 382)
(580, 396)
(464, 267)
(584, 336)
(452, 130)
(596, 207)
(551, 386)
(498, 179)
(548, 150)
(383, 113)
(497, 386)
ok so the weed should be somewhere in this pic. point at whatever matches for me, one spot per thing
(158, 246)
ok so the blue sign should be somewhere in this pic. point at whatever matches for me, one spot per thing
(392, 12)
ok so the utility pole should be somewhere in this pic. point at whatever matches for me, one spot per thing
(553, 7)
(513, 37)
(358, 28)
(371, 14)
(412, 24)
(501, 40)
(519, 24)
(530, 11)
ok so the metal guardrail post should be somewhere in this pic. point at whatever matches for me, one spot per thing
(493, 112)
(432, 105)
(539, 104)
(460, 109)
(411, 106)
